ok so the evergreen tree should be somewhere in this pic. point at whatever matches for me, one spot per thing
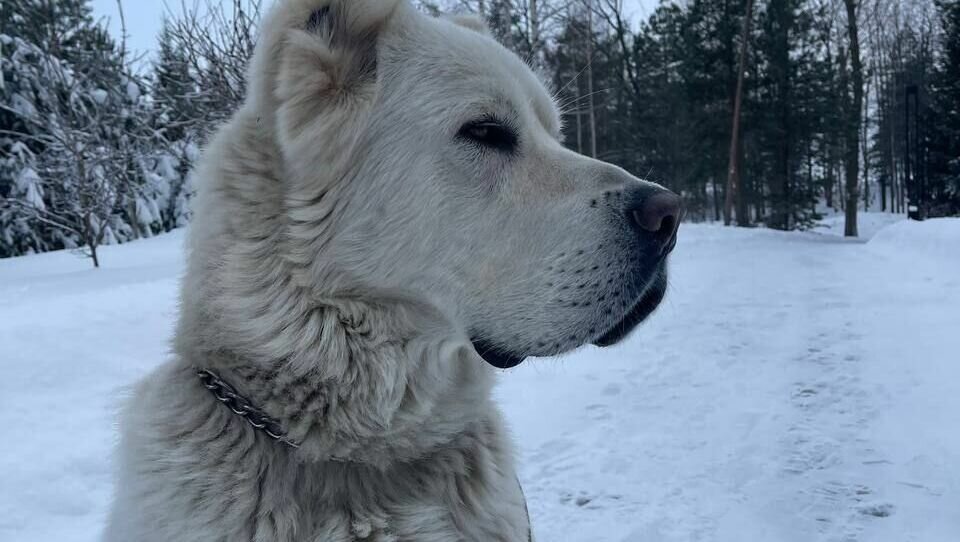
(709, 75)
(175, 87)
(63, 28)
(944, 157)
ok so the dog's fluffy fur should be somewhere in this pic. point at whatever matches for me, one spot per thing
(351, 248)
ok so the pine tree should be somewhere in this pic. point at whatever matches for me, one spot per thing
(944, 122)
(62, 28)
(658, 101)
(175, 87)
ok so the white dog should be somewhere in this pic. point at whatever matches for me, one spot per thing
(390, 209)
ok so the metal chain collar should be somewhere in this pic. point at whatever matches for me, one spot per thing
(227, 394)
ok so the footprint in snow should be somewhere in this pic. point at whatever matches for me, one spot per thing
(585, 500)
(599, 412)
(612, 389)
(881, 510)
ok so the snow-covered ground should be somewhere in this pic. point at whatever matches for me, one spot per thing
(868, 224)
(793, 387)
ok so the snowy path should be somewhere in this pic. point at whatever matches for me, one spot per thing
(793, 387)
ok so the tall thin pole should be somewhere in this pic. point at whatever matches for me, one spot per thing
(733, 170)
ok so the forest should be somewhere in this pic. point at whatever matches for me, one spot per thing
(760, 113)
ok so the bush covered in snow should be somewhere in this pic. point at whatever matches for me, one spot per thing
(91, 152)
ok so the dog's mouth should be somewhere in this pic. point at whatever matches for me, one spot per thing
(644, 307)
(648, 302)
(495, 356)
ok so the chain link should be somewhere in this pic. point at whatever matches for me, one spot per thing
(227, 394)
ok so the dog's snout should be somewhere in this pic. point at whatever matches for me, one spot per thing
(655, 214)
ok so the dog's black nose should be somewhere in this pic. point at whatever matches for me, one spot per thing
(655, 214)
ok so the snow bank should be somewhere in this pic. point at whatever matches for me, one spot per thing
(939, 237)
(868, 223)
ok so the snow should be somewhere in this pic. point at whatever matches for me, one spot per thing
(23, 107)
(99, 95)
(868, 223)
(28, 184)
(133, 91)
(938, 237)
(793, 387)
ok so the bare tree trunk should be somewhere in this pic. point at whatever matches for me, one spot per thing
(134, 219)
(761, 208)
(864, 147)
(853, 122)
(902, 191)
(716, 198)
(828, 188)
(841, 193)
(884, 177)
(878, 42)
(883, 195)
(90, 238)
(733, 170)
(810, 180)
(894, 187)
(93, 255)
(893, 190)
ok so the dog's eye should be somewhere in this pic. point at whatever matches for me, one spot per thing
(489, 133)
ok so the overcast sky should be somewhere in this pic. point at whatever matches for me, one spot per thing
(143, 17)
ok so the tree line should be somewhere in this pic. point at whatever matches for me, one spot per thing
(759, 112)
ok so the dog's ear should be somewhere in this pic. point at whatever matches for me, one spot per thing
(348, 17)
(330, 46)
(317, 60)
(313, 46)
(472, 22)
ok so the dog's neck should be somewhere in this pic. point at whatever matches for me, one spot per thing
(457, 466)
(376, 392)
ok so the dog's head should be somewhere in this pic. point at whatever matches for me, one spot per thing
(423, 160)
